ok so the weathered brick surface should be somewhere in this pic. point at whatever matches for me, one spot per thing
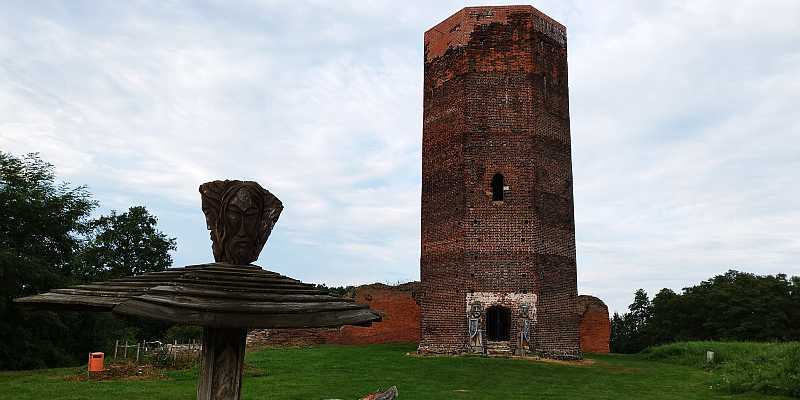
(398, 307)
(595, 327)
(399, 311)
(289, 337)
(495, 101)
(401, 319)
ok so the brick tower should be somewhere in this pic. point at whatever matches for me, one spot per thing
(498, 233)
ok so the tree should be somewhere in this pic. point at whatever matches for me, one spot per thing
(666, 317)
(620, 333)
(120, 245)
(640, 309)
(125, 244)
(41, 224)
(732, 306)
(338, 291)
(740, 306)
(628, 332)
(48, 240)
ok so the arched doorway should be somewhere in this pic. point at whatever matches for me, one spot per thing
(498, 323)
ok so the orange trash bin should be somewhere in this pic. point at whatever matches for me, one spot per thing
(96, 362)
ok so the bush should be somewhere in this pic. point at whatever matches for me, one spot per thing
(770, 368)
(776, 370)
(183, 334)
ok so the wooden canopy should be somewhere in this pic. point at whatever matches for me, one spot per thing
(218, 295)
(225, 297)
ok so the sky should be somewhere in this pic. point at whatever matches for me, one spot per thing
(685, 136)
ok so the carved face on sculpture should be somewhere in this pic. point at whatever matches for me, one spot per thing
(241, 222)
(240, 216)
(475, 310)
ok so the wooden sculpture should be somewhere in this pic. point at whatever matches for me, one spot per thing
(225, 297)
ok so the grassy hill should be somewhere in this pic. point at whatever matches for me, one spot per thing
(339, 372)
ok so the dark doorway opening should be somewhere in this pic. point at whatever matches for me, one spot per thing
(498, 323)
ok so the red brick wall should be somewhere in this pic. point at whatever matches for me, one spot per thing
(495, 101)
(397, 304)
(289, 337)
(595, 327)
(400, 314)
(401, 322)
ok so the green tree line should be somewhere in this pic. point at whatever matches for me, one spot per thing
(48, 239)
(735, 306)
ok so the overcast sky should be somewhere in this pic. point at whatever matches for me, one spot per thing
(685, 126)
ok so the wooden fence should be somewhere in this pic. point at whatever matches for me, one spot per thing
(175, 352)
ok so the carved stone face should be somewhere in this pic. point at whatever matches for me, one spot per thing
(241, 224)
(240, 216)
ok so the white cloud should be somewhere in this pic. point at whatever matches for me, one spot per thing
(684, 138)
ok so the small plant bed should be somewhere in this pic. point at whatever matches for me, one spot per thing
(128, 371)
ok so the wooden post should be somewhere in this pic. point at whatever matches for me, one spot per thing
(126, 351)
(221, 365)
(137, 351)
(116, 345)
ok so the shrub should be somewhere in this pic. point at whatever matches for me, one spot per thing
(183, 334)
(770, 368)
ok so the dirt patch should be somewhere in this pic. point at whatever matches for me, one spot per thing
(576, 363)
(620, 370)
(253, 371)
(131, 372)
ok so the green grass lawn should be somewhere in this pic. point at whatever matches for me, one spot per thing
(346, 372)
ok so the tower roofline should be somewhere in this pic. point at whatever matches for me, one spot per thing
(507, 9)
(455, 30)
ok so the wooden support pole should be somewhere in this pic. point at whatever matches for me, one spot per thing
(222, 359)
(116, 346)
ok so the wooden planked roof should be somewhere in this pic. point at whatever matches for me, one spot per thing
(213, 295)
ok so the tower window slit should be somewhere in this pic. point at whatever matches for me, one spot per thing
(498, 183)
